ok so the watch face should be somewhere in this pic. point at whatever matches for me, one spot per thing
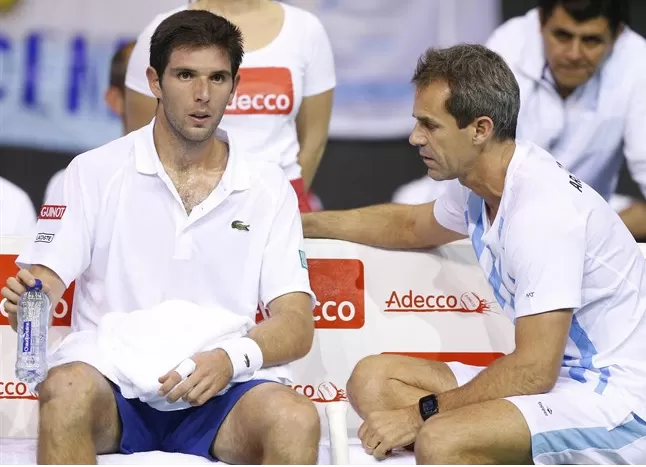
(429, 406)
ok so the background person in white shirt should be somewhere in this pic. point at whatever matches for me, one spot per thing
(17, 215)
(561, 265)
(582, 77)
(174, 211)
(283, 105)
(114, 98)
(583, 92)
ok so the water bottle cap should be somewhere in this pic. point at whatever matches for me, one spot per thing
(37, 286)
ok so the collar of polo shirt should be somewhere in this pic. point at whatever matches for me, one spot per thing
(236, 174)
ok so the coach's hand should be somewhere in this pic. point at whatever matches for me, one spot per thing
(383, 431)
(213, 371)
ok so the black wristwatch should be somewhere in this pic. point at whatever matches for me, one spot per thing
(428, 406)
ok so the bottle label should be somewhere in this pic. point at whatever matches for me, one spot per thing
(26, 342)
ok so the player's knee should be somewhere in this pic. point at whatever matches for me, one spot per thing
(307, 418)
(296, 417)
(435, 444)
(294, 431)
(304, 418)
(72, 385)
(367, 380)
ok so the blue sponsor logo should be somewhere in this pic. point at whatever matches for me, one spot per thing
(26, 343)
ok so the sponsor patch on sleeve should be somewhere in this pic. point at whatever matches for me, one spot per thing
(303, 259)
(44, 238)
(52, 211)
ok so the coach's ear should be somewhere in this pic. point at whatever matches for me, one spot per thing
(482, 130)
(154, 82)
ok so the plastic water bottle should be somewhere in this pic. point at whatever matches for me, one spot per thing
(33, 327)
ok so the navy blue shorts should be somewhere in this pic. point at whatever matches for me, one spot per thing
(189, 431)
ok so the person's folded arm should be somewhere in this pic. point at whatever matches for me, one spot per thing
(532, 368)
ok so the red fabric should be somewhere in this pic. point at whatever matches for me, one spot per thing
(303, 198)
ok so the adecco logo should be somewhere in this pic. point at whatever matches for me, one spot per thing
(409, 302)
(62, 312)
(339, 288)
(326, 392)
(15, 390)
(267, 91)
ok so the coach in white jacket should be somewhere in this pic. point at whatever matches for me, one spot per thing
(582, 77)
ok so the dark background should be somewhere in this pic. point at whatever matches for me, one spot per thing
(353, 173)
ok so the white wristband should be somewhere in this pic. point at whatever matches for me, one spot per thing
(246, 358)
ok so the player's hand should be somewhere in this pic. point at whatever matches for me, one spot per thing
(15, 287)
(383, 431)
(213, 371)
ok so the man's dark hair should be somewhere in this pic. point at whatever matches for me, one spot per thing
(615, 11)
(191, 29)
(481, 85)
(119, 65)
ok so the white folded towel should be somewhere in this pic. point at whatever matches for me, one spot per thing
(134, 349)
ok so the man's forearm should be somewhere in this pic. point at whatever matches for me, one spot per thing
(384, 225)
(507, 376)
(285, 337)
(309, 160)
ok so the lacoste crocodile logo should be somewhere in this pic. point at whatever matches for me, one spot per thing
(238, 225)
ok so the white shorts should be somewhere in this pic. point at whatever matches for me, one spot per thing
(573, 425)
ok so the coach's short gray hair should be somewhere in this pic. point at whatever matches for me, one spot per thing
(481, 85)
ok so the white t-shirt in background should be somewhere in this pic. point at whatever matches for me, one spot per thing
(51, 185)
(274, 80)
(17, 214)
(600, 122)
(556, 244)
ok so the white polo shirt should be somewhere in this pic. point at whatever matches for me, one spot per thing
(556, 244)
(117, 226)
(587, 131)
(274, 79)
